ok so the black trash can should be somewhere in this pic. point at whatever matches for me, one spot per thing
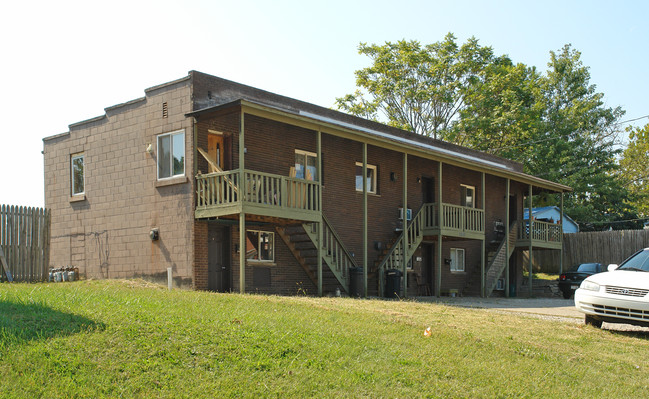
(393, 283)
(356, 282)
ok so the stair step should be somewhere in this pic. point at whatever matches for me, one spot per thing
(295, 238)
(294, 230)
(303, 245)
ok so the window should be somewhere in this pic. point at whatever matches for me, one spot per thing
(468, 196)
(371, 178)
(306, 165)
(171, 154)
(457, 260)
(77, 174)
(260, 246)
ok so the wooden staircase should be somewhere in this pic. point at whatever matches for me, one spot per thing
(302, 242)
(393, 257)
(498, 260)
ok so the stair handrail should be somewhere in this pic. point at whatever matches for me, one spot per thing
(416, 223)
(338, 240)
(512, 232)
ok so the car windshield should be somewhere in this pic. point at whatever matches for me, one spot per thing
(639, 261)
(587, 267)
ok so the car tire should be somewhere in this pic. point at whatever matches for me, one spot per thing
(591, 321)
(567, 294)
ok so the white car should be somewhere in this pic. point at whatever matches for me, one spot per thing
(619, 295)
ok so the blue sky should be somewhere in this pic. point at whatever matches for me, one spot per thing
(65, 61)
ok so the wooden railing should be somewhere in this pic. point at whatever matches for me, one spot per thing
(335, 255)
(541, 231)
(224, 188)
(500, 259)
(462, 218)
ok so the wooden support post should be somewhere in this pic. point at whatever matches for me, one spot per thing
(531, 227)
(365, 229)
(561, 232)
(405, 226)
(483, 246)
(507, 216)
(438, 275)
(242, 215)
(320, 224)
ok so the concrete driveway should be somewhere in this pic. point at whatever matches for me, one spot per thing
(553, 307)
(545, 308)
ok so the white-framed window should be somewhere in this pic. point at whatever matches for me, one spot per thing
(457, 259)
(171, 154)
(260, 246)
(77, 174)
(467, 196)
(371, 177)
(306, 165)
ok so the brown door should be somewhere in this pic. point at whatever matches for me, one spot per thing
(218, 265)
(215, 150)
(428, 190)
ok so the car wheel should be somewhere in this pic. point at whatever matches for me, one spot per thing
(567, 294)
(591, 321)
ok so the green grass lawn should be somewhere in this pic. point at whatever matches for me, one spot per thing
(131, 339)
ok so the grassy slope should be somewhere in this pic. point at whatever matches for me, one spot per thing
(116, 338)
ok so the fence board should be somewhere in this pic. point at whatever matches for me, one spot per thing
(604, 247)
(25, 241)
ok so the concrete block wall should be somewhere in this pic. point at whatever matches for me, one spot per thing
(106, 231)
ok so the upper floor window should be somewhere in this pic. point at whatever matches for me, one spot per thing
(306, 165)
(371, 177)
(467, 196)
(171, 154)
(77, 170)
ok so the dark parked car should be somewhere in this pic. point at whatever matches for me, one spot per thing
(569, 281)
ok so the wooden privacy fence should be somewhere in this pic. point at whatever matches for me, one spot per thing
(603, 247)
(25, 242)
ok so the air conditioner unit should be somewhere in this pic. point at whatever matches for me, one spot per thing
(401, 214)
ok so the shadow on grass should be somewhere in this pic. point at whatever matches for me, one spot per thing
(21, 323)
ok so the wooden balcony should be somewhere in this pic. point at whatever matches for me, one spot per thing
(263, 194)
(543, 235)
(457, 221)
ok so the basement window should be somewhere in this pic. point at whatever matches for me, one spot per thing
(260, 246)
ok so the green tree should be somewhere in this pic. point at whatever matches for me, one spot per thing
(577, 143)
(414, 87)
(556, 124)
(634, 168)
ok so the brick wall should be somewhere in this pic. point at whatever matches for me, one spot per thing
(106, 232)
